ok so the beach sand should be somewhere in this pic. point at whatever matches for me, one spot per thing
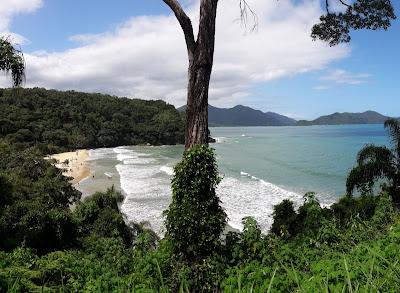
(74, 164)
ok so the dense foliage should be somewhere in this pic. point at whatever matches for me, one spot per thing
(335, 25)
(12, 61)
(57, 121)
(368, 117)
(35, 199)
(378, 162)
(195, 220)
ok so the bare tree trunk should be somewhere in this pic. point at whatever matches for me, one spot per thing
(200, 67)
(201, 54)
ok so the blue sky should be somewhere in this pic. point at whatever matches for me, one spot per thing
(272, 73)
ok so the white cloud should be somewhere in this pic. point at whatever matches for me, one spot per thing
(11, 8)
(146, 57)
(341, 76)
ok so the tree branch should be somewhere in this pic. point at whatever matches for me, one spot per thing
(185, 23)
(345, 4)
(245, 10)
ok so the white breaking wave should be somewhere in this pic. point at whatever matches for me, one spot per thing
(97, 154)
(149, 194)
(220, 139)
(168, 170)
(252, 197)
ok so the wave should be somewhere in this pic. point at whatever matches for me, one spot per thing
(103, 153)
(220, 139)
(130, 157)
(168, 170)
(149, 194)
(252, 197)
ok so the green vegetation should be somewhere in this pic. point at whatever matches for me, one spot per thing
(335, 26)
(368, 117)
(56, 121)
(353, 246)
(35, 200)
(378, 162)
(195, 220)
(12, 60)
(244, 116)
(50, 241)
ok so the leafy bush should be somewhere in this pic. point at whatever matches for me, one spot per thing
(347, 207)
(34, 203)
(99, 216)
(195, 219)
(284, 218)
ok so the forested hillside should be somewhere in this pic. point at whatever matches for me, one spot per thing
(368, 117)
(244, 116)
(56, 121)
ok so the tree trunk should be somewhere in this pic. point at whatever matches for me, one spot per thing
(201, 55)
(200, 67)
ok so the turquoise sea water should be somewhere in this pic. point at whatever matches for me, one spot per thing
(313, 158)
(261, 166)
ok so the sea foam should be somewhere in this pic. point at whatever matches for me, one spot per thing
(146, 183)
(220, 139)
(167, 170)
(147, 194)
(252, 197)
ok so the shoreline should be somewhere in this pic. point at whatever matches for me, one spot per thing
(73, 164)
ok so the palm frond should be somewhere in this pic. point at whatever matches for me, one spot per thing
(374, 153)
(363, 176)
(393, 127)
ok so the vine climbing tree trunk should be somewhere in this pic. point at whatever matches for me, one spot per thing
(200, 54)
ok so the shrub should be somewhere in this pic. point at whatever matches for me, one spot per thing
(34, 202)
(347, 207)
(195, 219)
(284, 219)
(99, 216)
(310, 214)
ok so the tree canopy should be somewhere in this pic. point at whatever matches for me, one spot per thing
(335, 27)
(378, 162)
(12, 61)
(58, 121)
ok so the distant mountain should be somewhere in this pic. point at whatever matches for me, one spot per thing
(244, 116)
(368, 117)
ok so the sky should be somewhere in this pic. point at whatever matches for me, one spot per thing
(135, 48)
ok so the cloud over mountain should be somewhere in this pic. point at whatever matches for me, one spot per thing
(145, 56)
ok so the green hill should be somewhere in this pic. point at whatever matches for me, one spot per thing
(368, 117)
(57, 120)
(244, 116)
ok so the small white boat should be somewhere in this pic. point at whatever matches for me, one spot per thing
(108, 175)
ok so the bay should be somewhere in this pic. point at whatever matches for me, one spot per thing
(260, 166)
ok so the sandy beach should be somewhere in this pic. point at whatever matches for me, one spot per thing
(74, 164)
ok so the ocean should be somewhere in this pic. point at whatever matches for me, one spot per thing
(260, 166)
